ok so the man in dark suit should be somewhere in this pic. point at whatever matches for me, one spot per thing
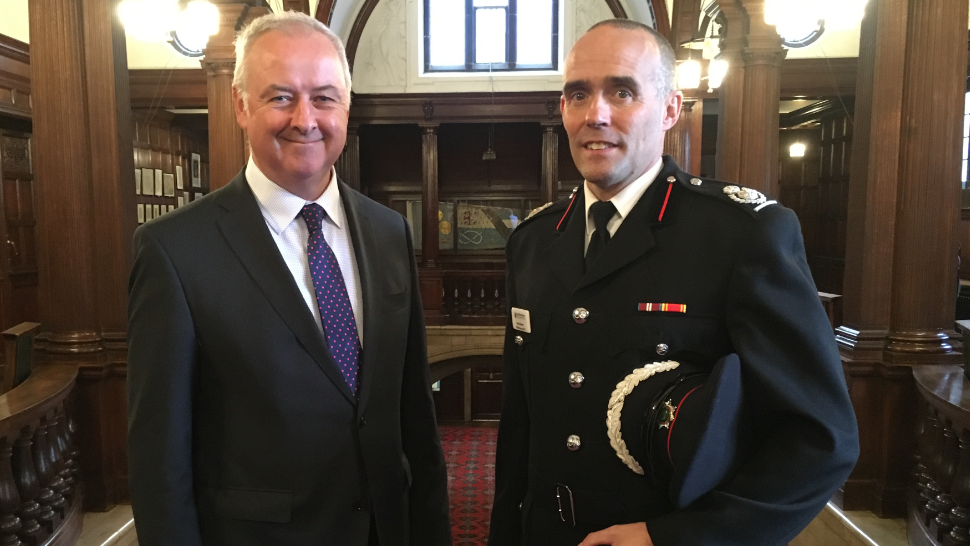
(646, 263)
(278, 387)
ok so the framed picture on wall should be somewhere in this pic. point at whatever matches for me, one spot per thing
(169, 184)
(148, 213)
(198, 195)
(171, 208)
(147, 182)
(181, 201)
(179, 183)
(156, 211)
(137, 181)
(158, 182)
(141, 213)
(196, 167)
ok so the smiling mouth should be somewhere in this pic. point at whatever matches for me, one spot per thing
(598, 145)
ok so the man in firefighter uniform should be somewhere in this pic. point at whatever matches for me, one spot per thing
(670, 376)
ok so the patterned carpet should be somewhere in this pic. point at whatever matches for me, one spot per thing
(470, 455)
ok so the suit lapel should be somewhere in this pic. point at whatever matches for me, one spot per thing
(566, 253)
(635, 236)
(366, 249)
(245, 230)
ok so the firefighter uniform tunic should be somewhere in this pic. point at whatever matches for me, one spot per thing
(730, 267)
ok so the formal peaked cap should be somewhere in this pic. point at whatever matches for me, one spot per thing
(685, 427)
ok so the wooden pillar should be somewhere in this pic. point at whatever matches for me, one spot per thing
(731, 93)
(348, 164)
(677, 142)
(83, 162)
(696, 137)
(431, 280)
(429, 194)
(550, 161)
(228, 151)
(900, 274)
(762, 57)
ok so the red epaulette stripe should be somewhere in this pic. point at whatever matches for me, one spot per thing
(670, 429)
(569, 208)
(670, 186)
(664, 307)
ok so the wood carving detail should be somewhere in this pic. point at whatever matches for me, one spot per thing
(16, 154)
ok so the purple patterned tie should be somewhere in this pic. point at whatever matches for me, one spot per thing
(335, 311)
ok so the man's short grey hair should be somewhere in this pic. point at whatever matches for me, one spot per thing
(291, 23)
(666, 67)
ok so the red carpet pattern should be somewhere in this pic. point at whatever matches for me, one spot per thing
(470, 456)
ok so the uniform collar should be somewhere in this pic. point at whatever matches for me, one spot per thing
(627, 198)
(281, 207)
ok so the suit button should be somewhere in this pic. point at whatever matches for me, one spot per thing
(361, 422)
(576, 380)
(519, 340)
(573, 442)
(358, 506)
(580, 315)
(662, 349)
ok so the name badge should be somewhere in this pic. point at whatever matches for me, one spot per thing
(520, 320)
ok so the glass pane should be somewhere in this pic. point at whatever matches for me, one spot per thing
(963, 175)
(490, 35)
(966, 126)
(447, 31)
(966, 103)
(534, 32)
(965, 141)
(488, 3)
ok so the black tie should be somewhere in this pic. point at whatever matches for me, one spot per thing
(601, 211)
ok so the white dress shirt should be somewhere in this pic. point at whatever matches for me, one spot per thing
(624, 201)
(281, 210)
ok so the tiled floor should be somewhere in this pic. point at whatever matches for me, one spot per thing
(113, 528)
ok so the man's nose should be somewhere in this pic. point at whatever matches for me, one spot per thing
(303, 119)
(598, 112)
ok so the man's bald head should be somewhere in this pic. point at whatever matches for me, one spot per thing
(666, 59)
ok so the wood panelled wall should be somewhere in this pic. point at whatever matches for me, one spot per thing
(159, 146)
(816, 186)
(14, 77)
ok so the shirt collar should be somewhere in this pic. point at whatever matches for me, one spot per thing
(281, 207)
(627, 198)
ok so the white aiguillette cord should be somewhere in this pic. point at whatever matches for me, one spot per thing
(623, 388)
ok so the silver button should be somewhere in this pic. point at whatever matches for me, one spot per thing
(662, 349)
(580, 315)
(576, 380)
(573, 442)
(671, 179)
(696, 181)
(519, 340)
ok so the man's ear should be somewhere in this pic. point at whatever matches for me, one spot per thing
(562, 103)
(239, 105)
(672, 106)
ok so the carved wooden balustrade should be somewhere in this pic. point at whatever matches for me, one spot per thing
(939, 499)
(474, 297)
(39, 474)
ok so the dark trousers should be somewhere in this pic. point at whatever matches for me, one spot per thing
(372, 541)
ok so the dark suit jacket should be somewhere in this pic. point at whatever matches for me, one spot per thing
(241, 428)
(743, 276)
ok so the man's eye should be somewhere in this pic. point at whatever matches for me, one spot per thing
(279, 98)
(323, 98)
(579, 96)
(624, 94)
